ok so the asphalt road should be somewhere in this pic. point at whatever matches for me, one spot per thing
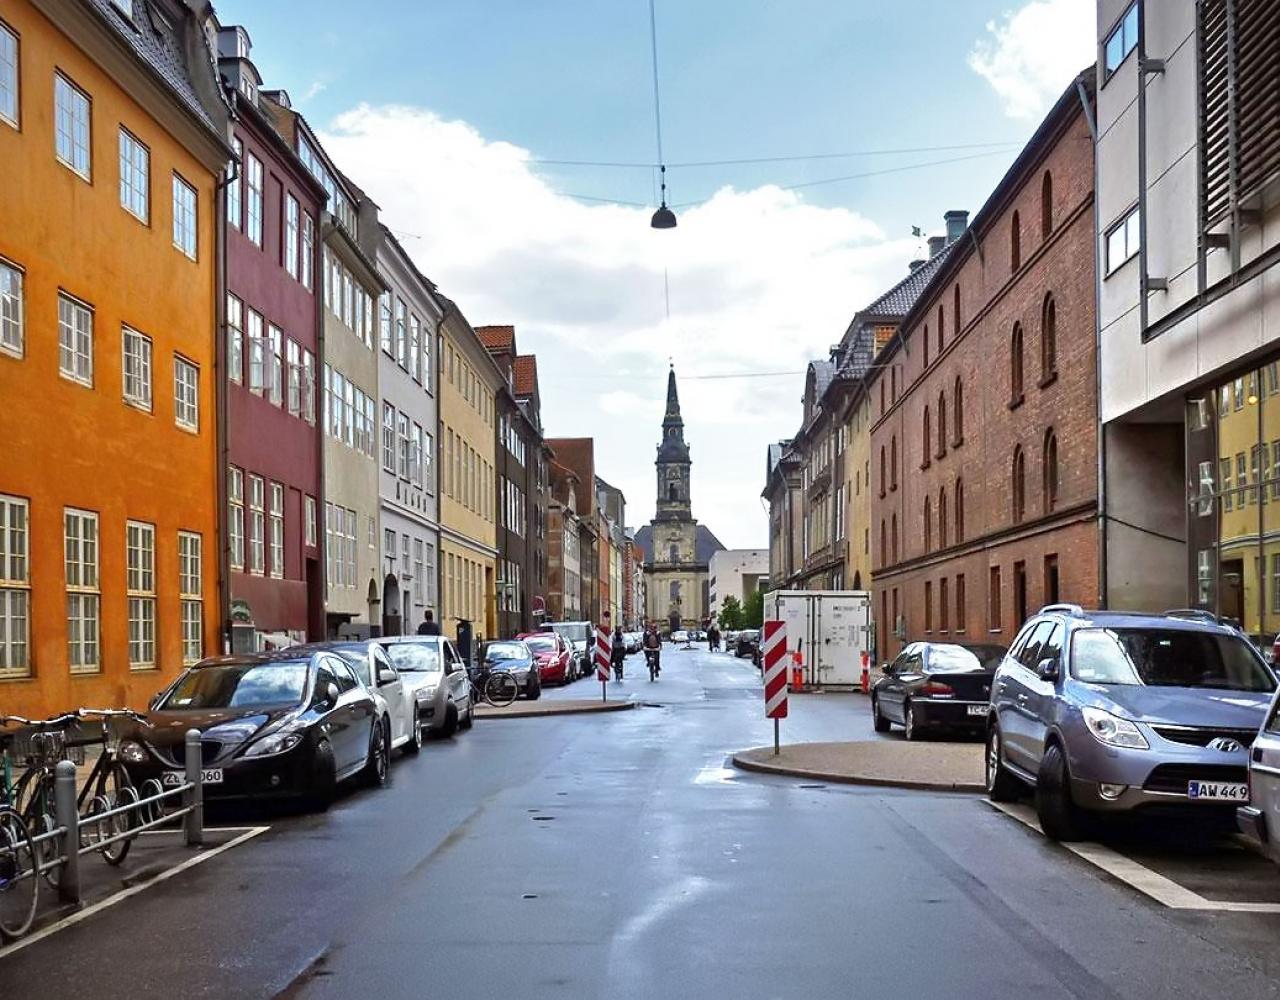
(615, 856)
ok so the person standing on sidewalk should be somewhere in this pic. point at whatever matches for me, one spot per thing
(428, 624)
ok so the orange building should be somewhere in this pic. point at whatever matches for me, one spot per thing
(110, 157)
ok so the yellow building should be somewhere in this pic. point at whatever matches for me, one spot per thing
(469, 382)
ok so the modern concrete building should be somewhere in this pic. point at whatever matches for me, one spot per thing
(1188, 173)
(737, 573)
(409, 315)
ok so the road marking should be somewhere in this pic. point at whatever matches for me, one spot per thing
(75, 918)
(1135, 875)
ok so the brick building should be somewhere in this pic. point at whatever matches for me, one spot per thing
(985, 428)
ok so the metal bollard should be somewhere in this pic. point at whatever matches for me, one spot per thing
(68, 818)
(193, 821)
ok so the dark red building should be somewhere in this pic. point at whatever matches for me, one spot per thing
(271, 435)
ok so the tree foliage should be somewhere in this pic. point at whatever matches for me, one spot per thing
(753, 610)
(731, 614)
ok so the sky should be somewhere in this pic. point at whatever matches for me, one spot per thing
(447, 113)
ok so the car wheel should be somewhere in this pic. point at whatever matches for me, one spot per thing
(450, 721)
(415, 737)
(378, 763)
(533, 691)
(324, 780)
(910, 730)
(469, 719)
(1060, 818)
(1002, 786)
(880, 722)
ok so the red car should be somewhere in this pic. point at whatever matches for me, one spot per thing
(552, 655)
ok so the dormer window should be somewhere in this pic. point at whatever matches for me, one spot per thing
(248, 89)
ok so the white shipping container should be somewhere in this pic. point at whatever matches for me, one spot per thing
(832, 629)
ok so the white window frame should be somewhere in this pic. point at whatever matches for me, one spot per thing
(140, 588)
(253, 199)
(81, 540)
(235, 339)
(428, 462)
(15, 587)
(308, 250)
(257, 525)
(293, 362)
(75, 339)
(292, 223)
(135, 368)
(389, 438)
(135, 176)
(275, 526)
(309, 387)
(255, 332)
(402, 446)
(186, 222)
(235, 189)
(235, 518)
(10, 79)
(350, 535)
(186, 393)
(1128, 230)
(191, 595)
(73, 126)
(1126, 31)
(309, 529)
(12, 302)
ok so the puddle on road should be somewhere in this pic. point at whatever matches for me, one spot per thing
(715, 774)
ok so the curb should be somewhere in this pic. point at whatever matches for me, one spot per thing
(762, 767)
(533, 713)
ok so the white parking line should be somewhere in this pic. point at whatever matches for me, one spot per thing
(1137, 876)
(249, 833)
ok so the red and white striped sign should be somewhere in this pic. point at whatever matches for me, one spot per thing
(604, 654)
(773, 651)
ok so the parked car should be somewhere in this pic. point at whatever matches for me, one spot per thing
(680, 636)
(936, 685)
(434, 675)
(1108, 712)
(552, 654)
(283, 723)
(1260, 819)
(515, 656)
(730, 642)
(580, 636)
(374, 669)
(747, 642)
(633, 640)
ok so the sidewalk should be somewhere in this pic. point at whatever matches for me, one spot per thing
(945, 767)
(566, 706)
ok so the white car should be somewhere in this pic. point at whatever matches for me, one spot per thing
(434, 675)
(396, 701)
(1261, 818)
(680, 636)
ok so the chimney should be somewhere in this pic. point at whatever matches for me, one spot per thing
(957, 222)
(915, 265)
(936, 243)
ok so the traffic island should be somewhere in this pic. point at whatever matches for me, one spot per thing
(935, 767)
(533, 709)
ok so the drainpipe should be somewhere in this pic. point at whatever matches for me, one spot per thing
(221, 396)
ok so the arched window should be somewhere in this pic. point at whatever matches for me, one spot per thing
(928, 524)
(957, 413)
(926, 347)
(1048, 339)
(1015, 365)
(857, 579)
(884, 544)
(1018, 485)
(1046, 205)
(1015, 243)
(942, 326)
(1050, 471)
(927, 439)
(893, 462)
(882, 398)
(674, 552)
(955, 308)
(959, 502)
(883, 481)
(672, 492)
(894, 526)
(942, 518)
(942, 424)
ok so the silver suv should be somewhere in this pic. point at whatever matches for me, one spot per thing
(1105, 712)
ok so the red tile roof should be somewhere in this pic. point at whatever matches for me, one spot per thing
(526, 375)
(497, 338)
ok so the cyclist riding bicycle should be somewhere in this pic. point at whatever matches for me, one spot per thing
(653, 646)
(619, 651)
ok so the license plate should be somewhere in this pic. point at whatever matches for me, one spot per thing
(1218, 791)
(208, 776)
(977, 709)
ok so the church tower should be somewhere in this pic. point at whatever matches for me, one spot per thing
(674, 502)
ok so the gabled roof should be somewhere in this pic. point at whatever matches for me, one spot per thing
(705, 543)
(899, 299)
(497, 338)
(526, 375)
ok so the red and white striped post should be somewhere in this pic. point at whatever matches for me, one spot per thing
(774, 657)
(604, 650)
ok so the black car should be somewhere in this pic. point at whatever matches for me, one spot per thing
(280, 724)
(936, 685)
(748, 643)
(515, 656)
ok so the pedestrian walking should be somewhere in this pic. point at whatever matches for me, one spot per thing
(428, 624)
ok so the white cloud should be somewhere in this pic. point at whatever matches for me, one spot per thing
(316, 87)
(760, 280)
(1034, 52)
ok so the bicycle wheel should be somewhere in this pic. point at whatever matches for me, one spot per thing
(118, 791)
(19, 887)
(39, 819)
(155, 808)
(500, 689)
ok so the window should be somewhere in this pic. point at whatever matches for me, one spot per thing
(884, 544)
(309, 531)
(942, 325)
(960, 603)
(1046, 206)
(1018, 486)
(1121, 41)
(253, 200)
(8, 81)
(402, 445)
(415, 454)
(184, 217)
(928, 607)
(140, 584)
(12, 339)
(942, 425)
(1048, 340)
(235, 189)
(136, 368)
(1051, 579)
(883, 480)
(1050, 471)
(925, 340)
(926, 444)
(186, 394)
(894, 535)
(1015, 365)
(957, 414)
(993, 600)
(235, 339)
(71, 125)
(15, 588)
(944, 601)
(928, 524)
(80, 547)
(955, 313)
(308, 387)
(293, 362)
(415, 346)
(385, 337)
(275, 366)
(135, 176)
(428, 465)
(1123, 240)
(402, 334)
(75, 340)
(1019, 592)
(257, 353)
(291, 225)
(191, 595)
(959, 502)
(308, 249)
(389, 437)
(235, 517)
(257, 525)
(1015, 243)
(942, 518)
(893, 462)
(276, 529)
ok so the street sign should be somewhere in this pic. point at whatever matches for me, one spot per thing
(773, 655)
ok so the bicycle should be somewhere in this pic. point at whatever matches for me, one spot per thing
(110, 787)
(495, 687)
(19, 886)
(40, 745)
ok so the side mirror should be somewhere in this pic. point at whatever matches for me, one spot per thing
(328, 697)
(884, 668)
(1048, 669)
(387, 676)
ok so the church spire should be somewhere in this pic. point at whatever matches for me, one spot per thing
(673, 399)
(673, 448)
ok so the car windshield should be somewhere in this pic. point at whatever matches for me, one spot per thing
(240, 685)
(1167, 658)
(576, 632)
(965, 659)
(420, 656)
(506, 651)
(539, 645)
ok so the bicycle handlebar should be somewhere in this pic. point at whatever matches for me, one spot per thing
(55, 721)
(74, 716)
